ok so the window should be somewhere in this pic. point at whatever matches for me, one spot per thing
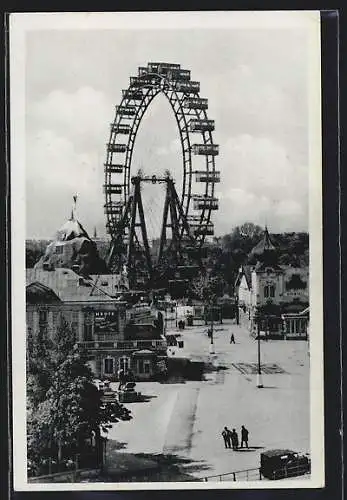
(43, 315)
(108, 365)
(140, 366)
(124, 363)
(147, 366)
(88, 332)
(59, 249)
(269, 291)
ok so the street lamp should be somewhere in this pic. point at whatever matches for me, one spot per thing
(259, 374)
(211, 330)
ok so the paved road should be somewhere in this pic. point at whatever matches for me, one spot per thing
(187, 419)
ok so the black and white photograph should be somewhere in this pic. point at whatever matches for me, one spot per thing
(167, 303)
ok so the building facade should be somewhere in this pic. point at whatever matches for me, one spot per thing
(275, 297)
(99, 321)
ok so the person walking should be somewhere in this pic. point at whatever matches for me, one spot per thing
(244, 436)
(226, 436)
(234, 440)
(232, 339)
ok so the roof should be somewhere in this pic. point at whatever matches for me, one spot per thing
(245, 271)
(67, 285)
(277, 452)
(263, 266)
(264, 245)
(38, 293)
(295, 308)
(71, 229)
(110, 283)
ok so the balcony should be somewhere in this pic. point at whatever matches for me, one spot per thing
(125, 345)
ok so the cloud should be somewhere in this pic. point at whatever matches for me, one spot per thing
(260, 183)
(83, 115)
(256, 87)
(57, 172)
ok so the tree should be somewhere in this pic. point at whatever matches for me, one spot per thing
(72, 410)
(39, 366)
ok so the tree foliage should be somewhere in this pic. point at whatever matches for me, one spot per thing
(66, 409)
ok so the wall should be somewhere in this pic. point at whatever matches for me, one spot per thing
(244, 292)
(296, 276)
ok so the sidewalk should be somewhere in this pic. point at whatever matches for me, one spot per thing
(187, 419)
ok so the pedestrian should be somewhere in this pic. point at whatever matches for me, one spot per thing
(232, 339)
(244, 436)
(226, 436)
(121, 378)
(234, 440)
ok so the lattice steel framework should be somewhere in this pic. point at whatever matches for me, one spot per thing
(195, 131)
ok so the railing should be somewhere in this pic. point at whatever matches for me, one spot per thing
(256, 474)
(239, 475)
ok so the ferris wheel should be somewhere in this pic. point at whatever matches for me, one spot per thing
(197, 199)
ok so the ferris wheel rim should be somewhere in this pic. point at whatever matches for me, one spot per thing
(162, 85)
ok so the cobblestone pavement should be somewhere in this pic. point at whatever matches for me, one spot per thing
(187, 419)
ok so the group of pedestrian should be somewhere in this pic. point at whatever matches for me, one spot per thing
(231, 438)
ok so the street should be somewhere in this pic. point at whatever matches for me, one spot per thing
(186, 419)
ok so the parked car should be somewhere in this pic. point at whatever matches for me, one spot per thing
(282, 463)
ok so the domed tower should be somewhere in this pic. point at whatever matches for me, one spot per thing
(72, 249)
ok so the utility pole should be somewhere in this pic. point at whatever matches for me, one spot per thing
(259, 374)
(212, 326)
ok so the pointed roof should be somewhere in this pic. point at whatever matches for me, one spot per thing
(265, 245)
(246, 271)
(72, 228)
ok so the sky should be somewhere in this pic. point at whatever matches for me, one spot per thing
(256, 82)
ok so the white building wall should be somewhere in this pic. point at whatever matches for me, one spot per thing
(244, 293)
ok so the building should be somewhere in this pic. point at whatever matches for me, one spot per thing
(100, 321)
(275, 297)
(72, 248)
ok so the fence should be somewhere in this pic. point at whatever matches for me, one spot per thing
(88, 459)
(256, 474)
(240, 475)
